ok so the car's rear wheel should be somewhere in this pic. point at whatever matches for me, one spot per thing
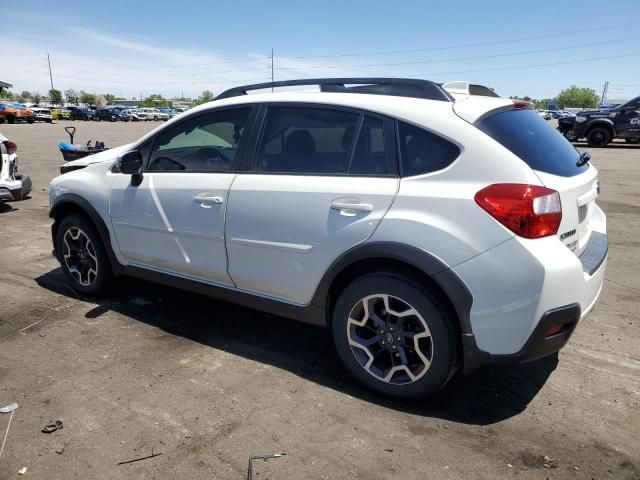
(155, 118)
(632, 140)
(598, 137)
(395, 336)
(82, 255)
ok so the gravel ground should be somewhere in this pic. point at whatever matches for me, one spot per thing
(207, 384)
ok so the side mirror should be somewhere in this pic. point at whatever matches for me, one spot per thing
(130, 163)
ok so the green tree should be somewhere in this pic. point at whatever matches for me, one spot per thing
(206, 96)
(577, 97)
(72, 96)
(155, 100)
(55, 96)
(26, 95)
(36, 97)
(87, 98)
(109, 97)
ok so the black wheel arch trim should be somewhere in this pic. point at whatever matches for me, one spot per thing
(451, 284)
(85, 206)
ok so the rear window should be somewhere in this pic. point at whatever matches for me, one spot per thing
(529, 137)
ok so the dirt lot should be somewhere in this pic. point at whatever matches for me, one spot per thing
(207, 383)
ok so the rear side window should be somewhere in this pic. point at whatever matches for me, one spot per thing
(422, 151)
(307, 140)
(528, 136)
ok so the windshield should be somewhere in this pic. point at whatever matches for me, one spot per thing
(635, 103)
(17, 106)
(529, 137)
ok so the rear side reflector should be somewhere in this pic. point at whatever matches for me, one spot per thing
(11, 147)
(529, 211)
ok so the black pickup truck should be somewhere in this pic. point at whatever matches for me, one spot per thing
(600, 127)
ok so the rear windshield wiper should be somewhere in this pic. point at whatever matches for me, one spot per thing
(584, 159)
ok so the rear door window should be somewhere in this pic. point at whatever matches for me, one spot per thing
(529, 137)
(306, 140)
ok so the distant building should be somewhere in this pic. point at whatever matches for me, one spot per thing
(4, 84)
(126, 103)
(552, 105)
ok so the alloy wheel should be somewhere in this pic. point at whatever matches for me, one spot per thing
(80, 256)
(390, 339)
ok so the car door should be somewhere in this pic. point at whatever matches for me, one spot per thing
(174, 219)
(321, 180)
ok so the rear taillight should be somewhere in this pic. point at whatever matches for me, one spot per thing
(11, 147)
(527, 210)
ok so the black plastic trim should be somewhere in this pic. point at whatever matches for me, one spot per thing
(311, 314)
(537, 346)
(403, 87)
(595, 253)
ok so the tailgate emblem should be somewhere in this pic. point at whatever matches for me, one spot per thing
(567, 234)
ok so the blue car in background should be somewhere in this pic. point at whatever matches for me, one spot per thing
(169, 111)
(81, 113)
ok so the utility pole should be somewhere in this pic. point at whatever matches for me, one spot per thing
(604, 92)
(50, 76)
(272, 68)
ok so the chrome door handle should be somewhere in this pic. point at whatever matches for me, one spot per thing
(349, 207)
(208, 198)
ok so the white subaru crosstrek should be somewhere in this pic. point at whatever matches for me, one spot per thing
(430, 228)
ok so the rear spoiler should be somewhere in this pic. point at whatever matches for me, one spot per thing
(465, 88)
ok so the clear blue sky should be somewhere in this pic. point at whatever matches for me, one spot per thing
(133, 47)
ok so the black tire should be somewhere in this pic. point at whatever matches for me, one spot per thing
(102, 280)
(440, 320)
(11, 119)
(155, 118)
(598, 137)
(632, 140)
(30, 121)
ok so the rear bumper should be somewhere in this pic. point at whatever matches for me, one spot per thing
(541, 343)
(521, 289)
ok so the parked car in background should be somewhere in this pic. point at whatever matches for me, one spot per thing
(110, 115)
(600, 127)
(152, 114)
(41, 114)
(15, 112)
(81, 113)
(169, 111)
(13, 185)
(132, 115)
(60, 113)
(430, 232)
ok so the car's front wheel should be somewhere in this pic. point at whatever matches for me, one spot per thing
(395, 335)
(82, 255)
(632, 140)
(598, 137)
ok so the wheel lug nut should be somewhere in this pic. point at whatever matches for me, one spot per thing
(398, 338)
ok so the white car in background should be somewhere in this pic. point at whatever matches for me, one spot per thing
(151, 114)
(430, 231)
(41, 114)
(13, 186)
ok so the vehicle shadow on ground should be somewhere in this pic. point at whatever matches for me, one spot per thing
(6, 207)
(490, 395)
